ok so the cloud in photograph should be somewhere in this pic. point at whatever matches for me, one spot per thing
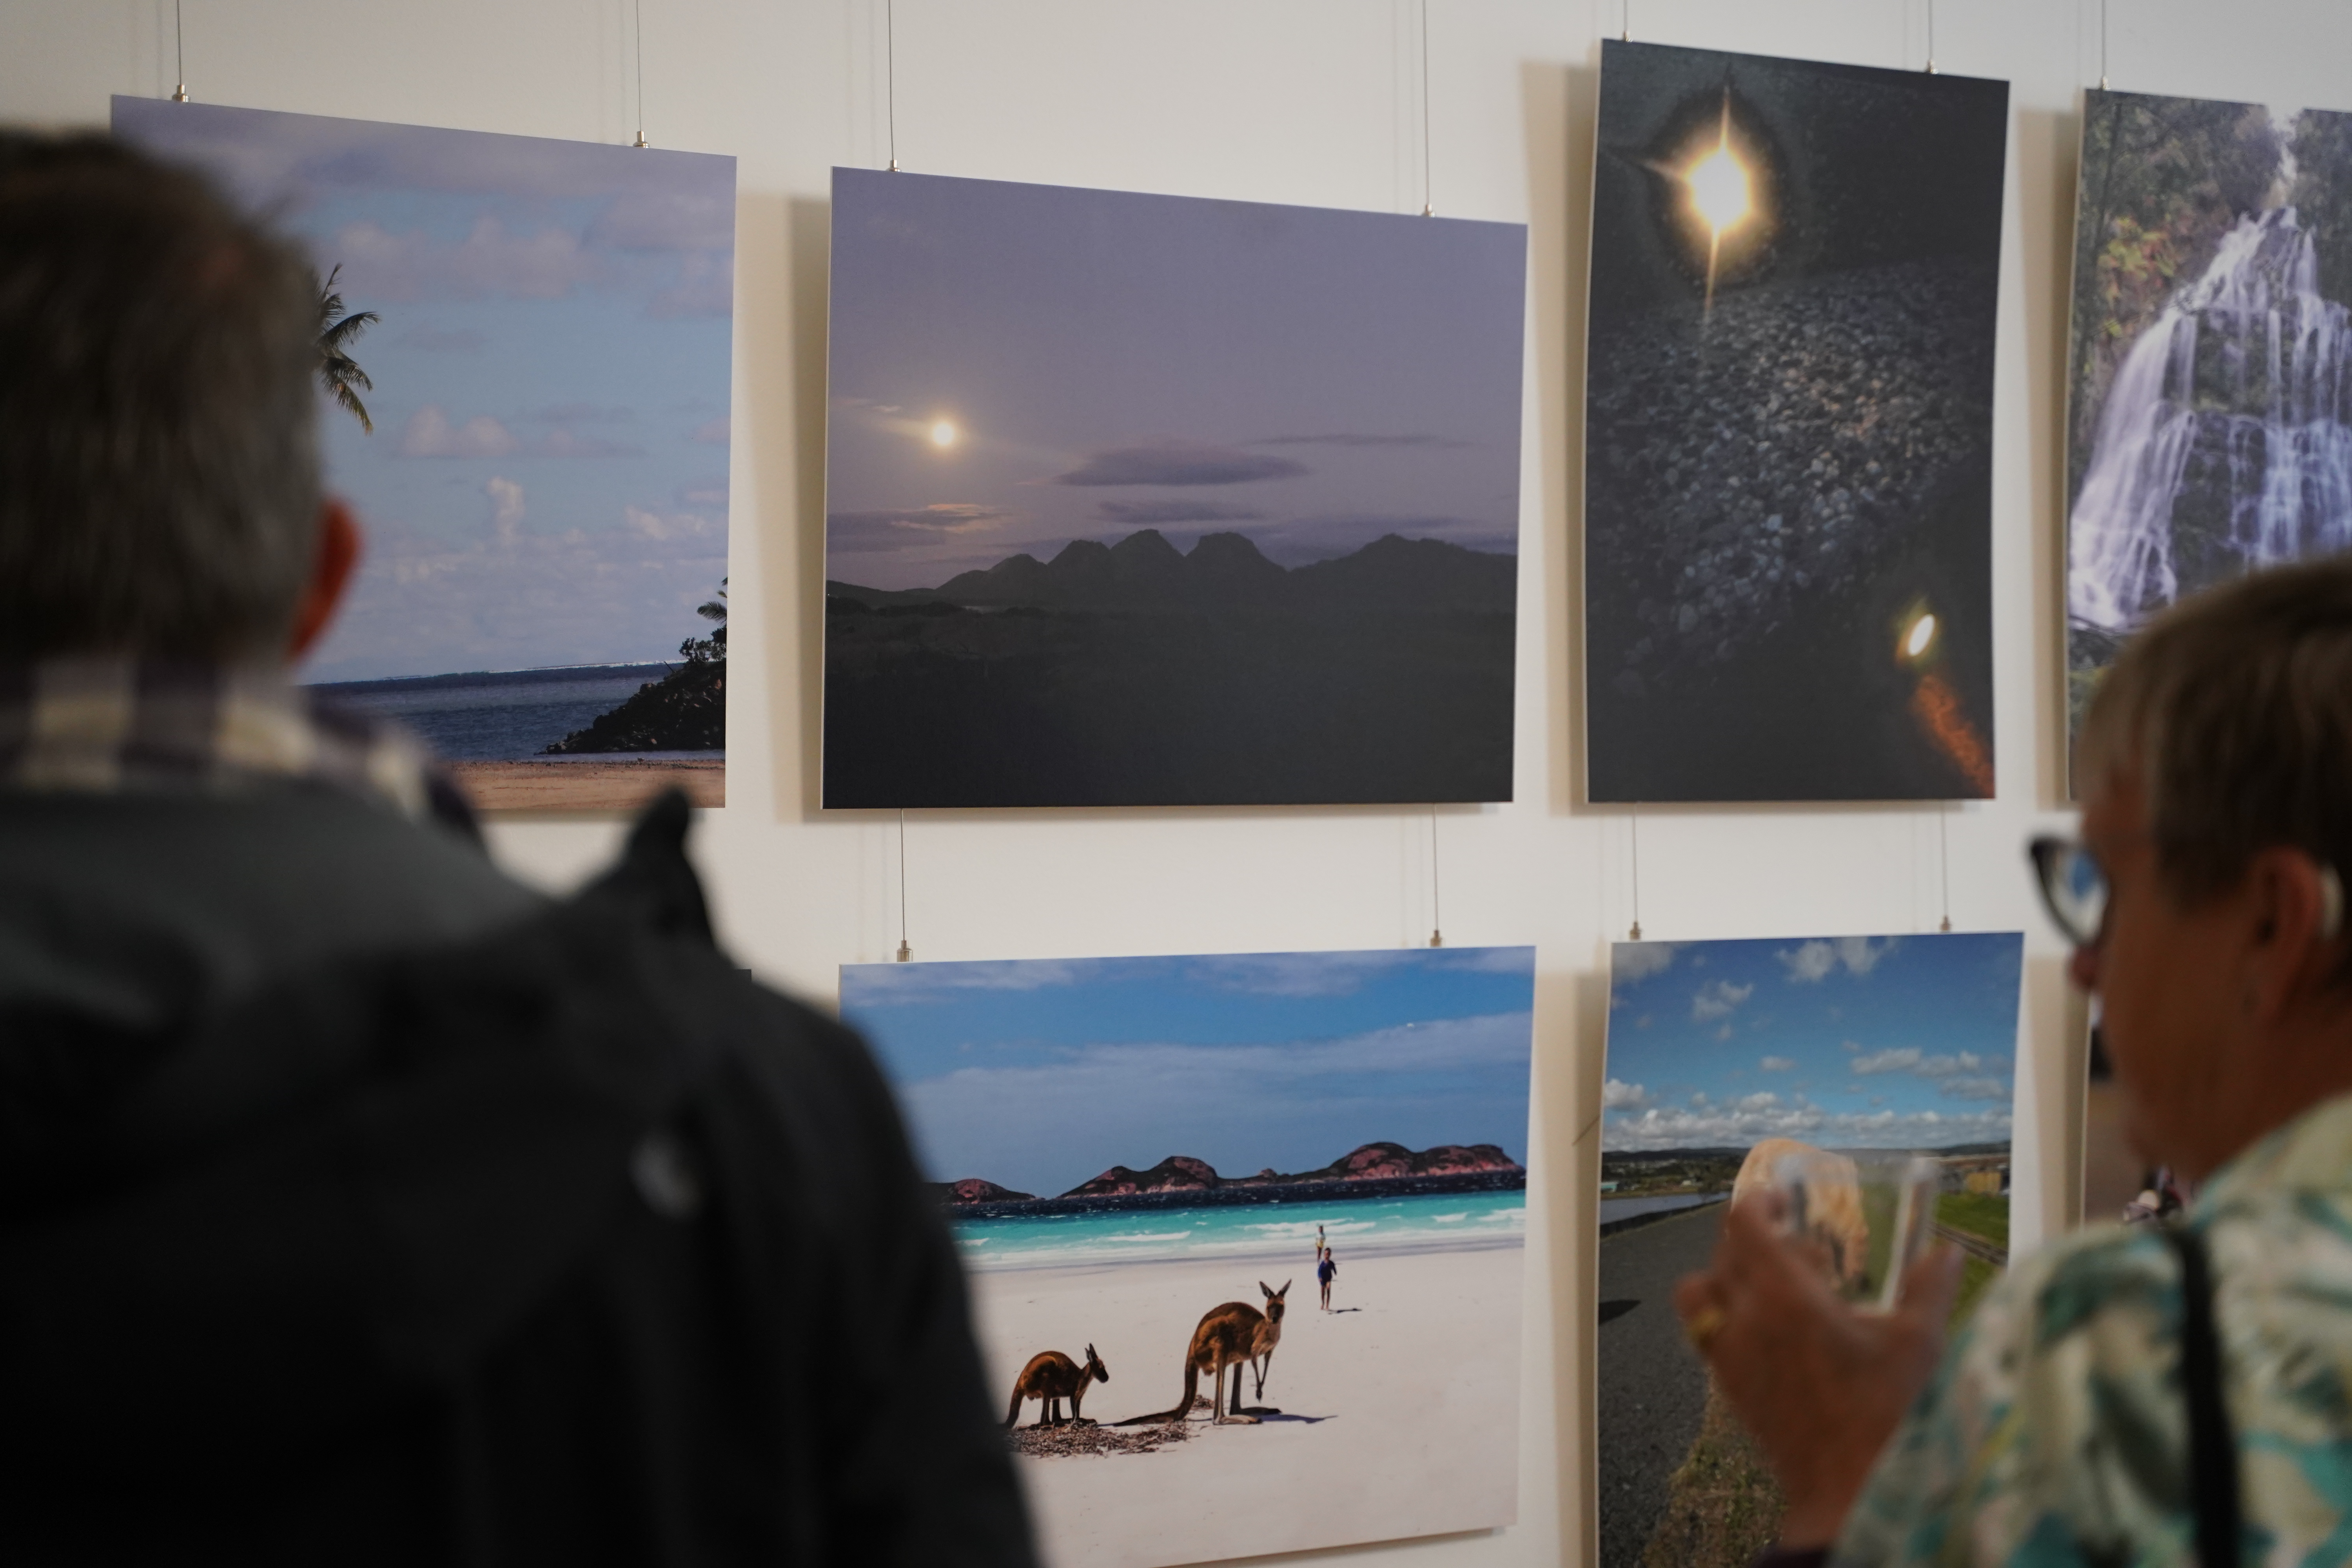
(695, 219)
(1752, 1119)
(1179, 463)
(1297, 974)
(673, 527)
(1634, 961)
(490, 261)
(710, 490)
(585, 414)
(1166, 513)
(1440, 442)
(507, 505)
(430, 434)
(1818, 960)
(1716, 998)
(443, 340)
(1868, 1043)
(1619, 1096)
(940, 518)
(705, 287)
(1293, 1104)
(712, 432)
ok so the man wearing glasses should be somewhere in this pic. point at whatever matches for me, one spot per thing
(2153, 1394)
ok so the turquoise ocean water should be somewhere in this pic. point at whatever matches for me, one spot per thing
(1441, 1222)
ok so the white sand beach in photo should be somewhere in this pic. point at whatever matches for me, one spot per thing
(1399, 1408)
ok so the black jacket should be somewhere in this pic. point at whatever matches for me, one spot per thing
(566, 1242)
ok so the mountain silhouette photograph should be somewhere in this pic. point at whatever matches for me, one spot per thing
(1138, 499)
(1788, 440)
(2210, 383)
(1245, 1227)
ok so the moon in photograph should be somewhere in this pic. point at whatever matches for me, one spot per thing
(1719, 189)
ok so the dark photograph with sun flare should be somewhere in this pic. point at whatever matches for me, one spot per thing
(1158, 501)
(1788, 430)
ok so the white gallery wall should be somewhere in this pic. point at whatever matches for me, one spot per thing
(1317, 102)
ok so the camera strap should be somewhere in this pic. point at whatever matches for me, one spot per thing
(2212, 1448)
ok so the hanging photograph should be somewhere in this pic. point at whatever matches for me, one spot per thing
(1157, 500)
(2117, 1184)
(1870, 1079)
(1788, 440)
(2208, 382)
(525, 349)
(1243, 1234)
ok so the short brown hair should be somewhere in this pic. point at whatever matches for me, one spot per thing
(2233, 712)
(158, 466)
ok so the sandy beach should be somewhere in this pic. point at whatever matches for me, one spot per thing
(564, 785)
(1400, 1410)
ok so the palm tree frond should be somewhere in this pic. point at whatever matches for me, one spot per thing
(358, 410)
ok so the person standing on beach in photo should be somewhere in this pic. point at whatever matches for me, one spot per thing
(1324, 1270)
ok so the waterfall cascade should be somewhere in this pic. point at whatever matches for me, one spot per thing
(2225, 442)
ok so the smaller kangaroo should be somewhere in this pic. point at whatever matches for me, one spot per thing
(1050, 1378)
(1234, 1335)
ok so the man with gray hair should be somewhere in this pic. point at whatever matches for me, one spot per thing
(357, 1204)
(2144, 1395)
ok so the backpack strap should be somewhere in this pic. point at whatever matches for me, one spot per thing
(2212, 1448)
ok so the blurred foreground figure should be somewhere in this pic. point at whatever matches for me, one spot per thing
(2154, 1393)
(356, 1204)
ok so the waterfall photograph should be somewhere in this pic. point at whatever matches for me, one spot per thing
(2209, 386)
(1788, 441)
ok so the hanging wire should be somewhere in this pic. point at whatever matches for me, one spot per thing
(1437, 924)
(1944, 861)
(1931, 37)
(1636, 935)
(904, 952)
(641, 75)
(2103, 45)
(890, 72)
(1427, 207)
(180, 47)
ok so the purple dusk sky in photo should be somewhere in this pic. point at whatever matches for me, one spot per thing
(547, 481)
(1016, 366)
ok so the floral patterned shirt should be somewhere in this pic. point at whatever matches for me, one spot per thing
(2056, 1431)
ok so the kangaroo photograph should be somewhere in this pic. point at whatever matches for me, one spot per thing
(1160, 1165)
(1867, 1080)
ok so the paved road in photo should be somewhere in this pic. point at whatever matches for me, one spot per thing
(1652, 1389)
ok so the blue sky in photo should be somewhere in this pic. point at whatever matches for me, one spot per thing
(547, 482)
(1040, 1074)
(1110, 361)
(1843, 1042)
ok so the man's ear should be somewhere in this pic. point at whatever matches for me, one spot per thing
(336, 557)
(2294, 952)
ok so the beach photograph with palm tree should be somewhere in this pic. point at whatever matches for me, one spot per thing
(524, 357)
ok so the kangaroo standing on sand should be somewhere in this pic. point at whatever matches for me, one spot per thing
(1233, 1335)
(1050, 1378)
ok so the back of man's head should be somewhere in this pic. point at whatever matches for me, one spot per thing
(159, 469)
